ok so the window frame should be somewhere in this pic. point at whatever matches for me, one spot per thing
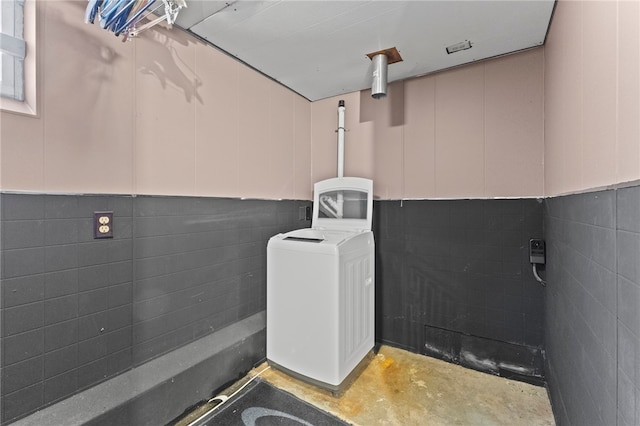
(12, 49)
(27, 106)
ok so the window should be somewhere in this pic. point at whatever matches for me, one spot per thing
(18, 56)
(12, 49)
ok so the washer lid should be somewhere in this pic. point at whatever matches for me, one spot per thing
(344, 203)
(316, 236)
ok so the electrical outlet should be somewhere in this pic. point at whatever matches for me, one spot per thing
(102, 224)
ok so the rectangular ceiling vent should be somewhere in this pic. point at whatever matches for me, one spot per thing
(463, 45)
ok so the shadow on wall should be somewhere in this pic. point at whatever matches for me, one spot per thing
(65, 33)
(369, 107)
(166, 63)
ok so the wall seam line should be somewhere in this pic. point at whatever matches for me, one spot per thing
(615, 213)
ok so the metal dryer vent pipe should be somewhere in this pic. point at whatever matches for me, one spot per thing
(379, 77)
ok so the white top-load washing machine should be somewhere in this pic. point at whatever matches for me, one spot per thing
(320, 287)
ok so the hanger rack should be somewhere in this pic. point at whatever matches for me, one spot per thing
(126, 17)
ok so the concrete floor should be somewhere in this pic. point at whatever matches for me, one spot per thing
(402, 388)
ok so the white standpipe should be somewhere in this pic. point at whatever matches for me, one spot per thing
(340, 200)
(341, 138)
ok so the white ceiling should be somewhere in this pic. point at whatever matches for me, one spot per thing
(318, 48)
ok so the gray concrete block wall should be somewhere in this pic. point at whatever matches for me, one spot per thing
(200, 265)
(77, 311)
(458, 265)
(628, 351)
(592, 327)
(63, 312)
(450, 268)
(158, 392)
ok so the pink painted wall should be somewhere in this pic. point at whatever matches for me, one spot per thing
(475, 131)
(592, 95)
(163, 114)
(166, 114)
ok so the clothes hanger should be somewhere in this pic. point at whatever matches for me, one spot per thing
(108, 10)
(171, 9)
(91, 11)
(137, 17)
(125, 15)
(124, 10)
